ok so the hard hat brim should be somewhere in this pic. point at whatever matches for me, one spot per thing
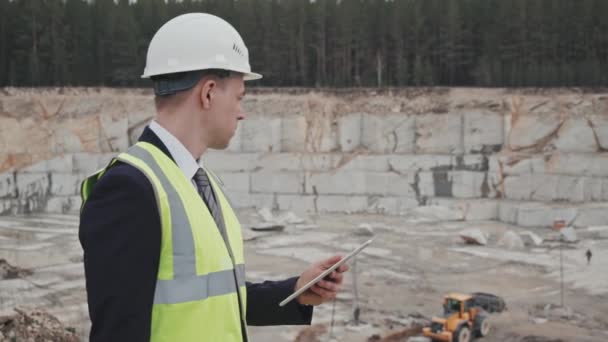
(251, 76)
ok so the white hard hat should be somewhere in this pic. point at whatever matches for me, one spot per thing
(197, 41)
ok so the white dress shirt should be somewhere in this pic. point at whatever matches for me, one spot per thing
(183, 158)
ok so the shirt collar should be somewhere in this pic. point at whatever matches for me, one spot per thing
(183, 158)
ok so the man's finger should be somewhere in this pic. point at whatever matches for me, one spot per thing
(343, 268)
(323, 293)
(337, 277)
(327, 263)
(328, 285)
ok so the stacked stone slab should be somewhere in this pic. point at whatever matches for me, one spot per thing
(520, 156)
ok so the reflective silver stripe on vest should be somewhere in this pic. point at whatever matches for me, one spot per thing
(184, 259)
(186, 285)
(198, 287)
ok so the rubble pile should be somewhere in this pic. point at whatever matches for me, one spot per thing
(8, 271)
(34, 326)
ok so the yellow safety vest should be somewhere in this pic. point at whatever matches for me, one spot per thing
(201, 264)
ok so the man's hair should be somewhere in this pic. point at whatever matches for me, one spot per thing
(171, 84)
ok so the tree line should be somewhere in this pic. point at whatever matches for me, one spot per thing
(320, 43)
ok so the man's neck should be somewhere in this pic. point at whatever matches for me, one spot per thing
(186, 133)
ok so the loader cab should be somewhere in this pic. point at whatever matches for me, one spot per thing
(451, 306)
(457, 304)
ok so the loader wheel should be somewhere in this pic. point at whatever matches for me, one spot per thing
(482, 326)
(462, 334)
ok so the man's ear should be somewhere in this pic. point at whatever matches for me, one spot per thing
(207, 92)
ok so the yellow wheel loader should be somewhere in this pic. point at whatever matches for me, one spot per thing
(463, 318)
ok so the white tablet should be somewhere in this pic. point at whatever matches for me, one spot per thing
(326, 272)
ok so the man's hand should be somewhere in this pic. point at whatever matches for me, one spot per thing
(326, 289)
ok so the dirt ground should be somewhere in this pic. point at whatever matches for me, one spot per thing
(412, 264)
(401, 278)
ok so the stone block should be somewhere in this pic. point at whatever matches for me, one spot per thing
(293, 134)
(8, 185)
(236, 141)
(513, 164)
(495, 186)
(472, 209)
(104, 159)
(426, 184)
(435, 184)
(75, 204)
(470, 162)
(413, 163)
(8, 206)
(571, 189)
(570, 164)
(364, 162)
(532, 131)
(299, 204)
(349, 132)
(297, 162)
(599, 124)
(34, 185)
(338, 183)
(59, 204)
(391, 205)
(66, 140)
(439, 133)
(435, 213)
(279, 162)
(65, 184)
(342, 204)
(542, 215)
(599, 165)
(322, 133)
(517, 187)
(592, 215)
(390, 184)
(507, 211)
(483, 131)
(114, 135)
(86, 163)
(391, 133)
(576, 135)
(467, 184)
(495, 164)
(592, 189)
(78, 106)
(277, 182)
(510, 240)
(320, 161)
(261, 135)
(137, 126)
(547, 187)
(479, 210)
(249, 200)
(61, 163)
(474, 236)
(543, 187)
(234, 181)
(227, 161)
(604, 189)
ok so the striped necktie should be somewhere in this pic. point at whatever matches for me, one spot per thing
(206, 192)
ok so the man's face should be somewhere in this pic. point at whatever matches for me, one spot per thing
(225, 111)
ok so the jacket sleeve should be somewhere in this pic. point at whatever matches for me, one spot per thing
(263, 304)
(120, 234)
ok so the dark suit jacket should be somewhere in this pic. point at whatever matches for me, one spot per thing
(120, 233)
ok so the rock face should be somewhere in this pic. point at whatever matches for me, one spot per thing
(375, 151)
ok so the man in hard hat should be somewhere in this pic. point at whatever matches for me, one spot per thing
(163, 251)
